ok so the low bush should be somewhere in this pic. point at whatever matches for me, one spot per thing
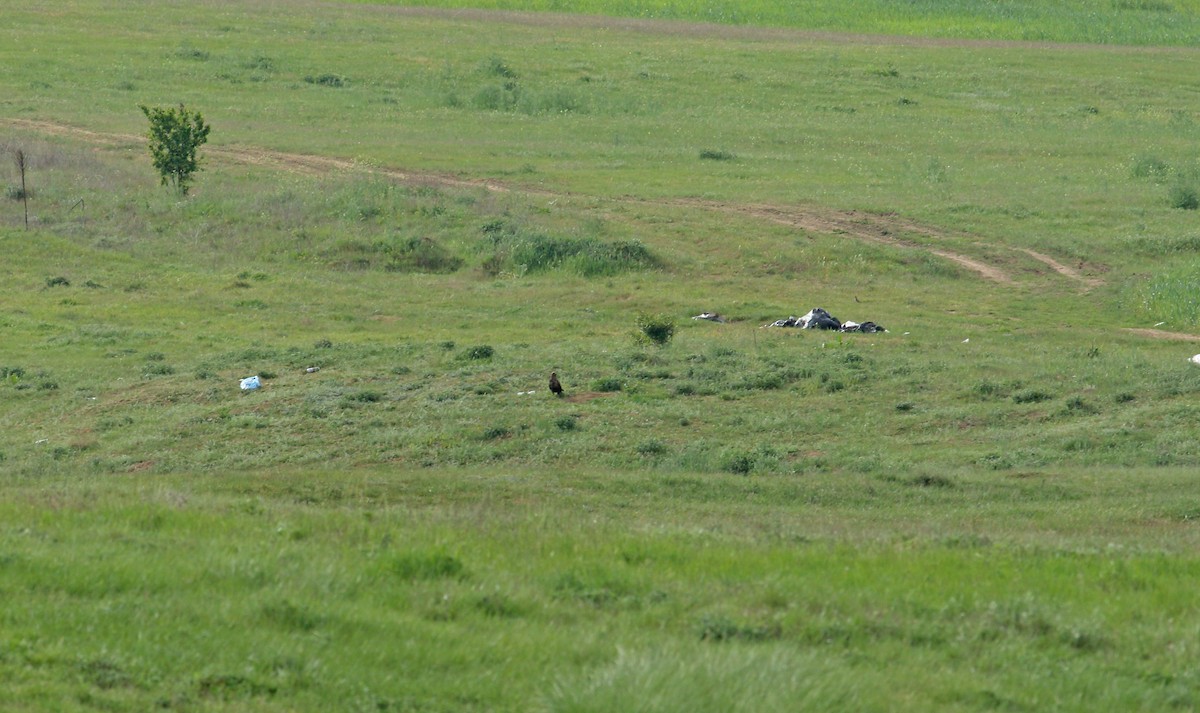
(328, 80)
(479, 353)
(607, 385)
(1185, 196)
(424, 566)
(521, 251)
(658, 328)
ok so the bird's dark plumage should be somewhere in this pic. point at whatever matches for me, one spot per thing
(555, 385)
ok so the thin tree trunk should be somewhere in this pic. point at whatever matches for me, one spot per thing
(24, 191)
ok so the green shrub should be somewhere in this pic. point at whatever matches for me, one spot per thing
(421, 255)
(498, 606)
(931, 481)
(328, 80)
(495, 97)
(607, 385)
(1030, 396)
(652, 447)
(362, 397)
(196, 55)
(718, 629)
(498, 67)
(590, 257)
(558, 100)
(423, 566)
(738, 462)
(1149, 166)
(712, 155)
(479, 353)
(495, 433)
(1185, 196)
(657, 328)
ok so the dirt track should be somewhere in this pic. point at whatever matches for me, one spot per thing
(884, 229)
(1160, 334)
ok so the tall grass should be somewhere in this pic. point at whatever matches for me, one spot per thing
(1172, 296)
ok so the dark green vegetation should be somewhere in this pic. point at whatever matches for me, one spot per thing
(990, 507)
(176, 134)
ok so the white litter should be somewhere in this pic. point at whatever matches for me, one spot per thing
(1195, 359)
(967, 340)
(1160, 324)
(250, 383)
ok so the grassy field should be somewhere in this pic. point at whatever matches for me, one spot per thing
(1131, 22)
(991, 506)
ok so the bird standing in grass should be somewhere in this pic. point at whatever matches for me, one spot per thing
(555, 385)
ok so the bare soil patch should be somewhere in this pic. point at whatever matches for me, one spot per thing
(870, 227)
(1160, 334)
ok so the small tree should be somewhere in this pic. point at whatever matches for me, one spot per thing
(175, 134)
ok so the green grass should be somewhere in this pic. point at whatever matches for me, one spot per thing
(990, 506)
(293, 589)
(1132, 22)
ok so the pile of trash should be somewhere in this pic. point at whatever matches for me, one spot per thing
(818, 318)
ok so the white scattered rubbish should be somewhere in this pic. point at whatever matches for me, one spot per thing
(1195, 359)
(40, 441)
(967, 340)
(1160, 324)
(312, 370)
(907, 333)
(710, 316)
(526, 393)
(818, 318)
(250, 383)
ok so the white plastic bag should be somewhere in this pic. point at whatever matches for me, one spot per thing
(250, 383)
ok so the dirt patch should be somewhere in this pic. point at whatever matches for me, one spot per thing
(870, 227)
(54, 129)
(1064, 270)
(1160, 334)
